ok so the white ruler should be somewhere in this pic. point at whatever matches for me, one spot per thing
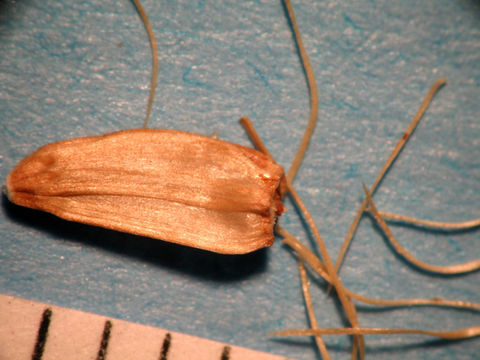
(38, 331)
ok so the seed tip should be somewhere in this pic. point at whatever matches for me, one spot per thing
(5, 188)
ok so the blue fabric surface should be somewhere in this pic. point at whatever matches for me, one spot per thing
(70, 69)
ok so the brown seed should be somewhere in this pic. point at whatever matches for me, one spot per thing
(170, 185)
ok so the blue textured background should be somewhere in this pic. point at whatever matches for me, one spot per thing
(70, 69)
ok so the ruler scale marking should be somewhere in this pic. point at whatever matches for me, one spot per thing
(102, 351)
(42, 335)
(226, 353)
(75, 335)
(165, 346)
